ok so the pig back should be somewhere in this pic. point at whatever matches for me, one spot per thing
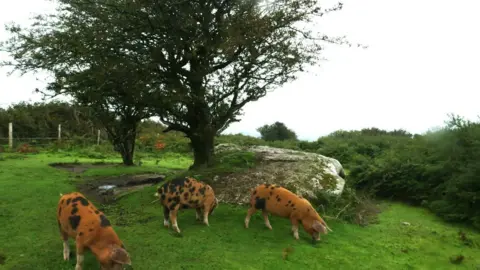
(274, 199)
(186, 192)
(78, 216)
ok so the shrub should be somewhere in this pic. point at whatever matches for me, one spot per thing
(439, 170)
(350, 207)
(26, 148)
(240, 140)
(277, 131)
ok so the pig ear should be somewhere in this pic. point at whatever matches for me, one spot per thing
(120, 255)
(318, 227)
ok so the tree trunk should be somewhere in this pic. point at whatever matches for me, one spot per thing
(127, 150)
(203, 149)
(124, 143)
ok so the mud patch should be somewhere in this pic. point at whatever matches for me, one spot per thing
(108, 189)
(77, 167)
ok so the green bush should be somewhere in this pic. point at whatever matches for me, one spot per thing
(240, 140)
(276, 132)
(439, 170)
(351, 206)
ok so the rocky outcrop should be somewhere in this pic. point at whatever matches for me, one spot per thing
(301, 172)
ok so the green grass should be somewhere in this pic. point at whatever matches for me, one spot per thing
(29, 237)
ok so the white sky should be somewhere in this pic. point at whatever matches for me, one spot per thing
(420, 65)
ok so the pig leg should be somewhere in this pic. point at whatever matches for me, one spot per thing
(173, 218)
(206, 210)
(198, 213)
(79, 255)
(166, 213)
(250, 212)
(265, 217)
(66, 248)
(294, 222)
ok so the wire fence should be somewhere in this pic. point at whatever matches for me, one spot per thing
(48, 141)
(63, 139)
(17, 139)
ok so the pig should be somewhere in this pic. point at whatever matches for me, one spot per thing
(79, 219)
(279, 201)
(183, 193)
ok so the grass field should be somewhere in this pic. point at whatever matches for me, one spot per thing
(29, 237)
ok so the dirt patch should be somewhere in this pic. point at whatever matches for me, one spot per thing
(108, 189)
(76, 167)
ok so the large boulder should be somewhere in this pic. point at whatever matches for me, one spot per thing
(303, 173)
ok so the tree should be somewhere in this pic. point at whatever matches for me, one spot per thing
(117, 100)
(225, 54)
(210, 57)
(221, 55)
(95, 72)
(276, 132)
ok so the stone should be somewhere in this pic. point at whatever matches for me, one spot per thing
(301, 172)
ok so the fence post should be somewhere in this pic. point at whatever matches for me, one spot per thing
(59, 132)
(10, 135)
(98, 137)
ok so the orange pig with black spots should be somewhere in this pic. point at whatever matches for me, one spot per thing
(184, 193)
(79, 219)
(281, 202)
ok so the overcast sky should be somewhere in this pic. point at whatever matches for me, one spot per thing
(420, 65)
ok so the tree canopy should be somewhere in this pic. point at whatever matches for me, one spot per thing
(118, 98)
(88, 68)
(277, 131)
(196, 63)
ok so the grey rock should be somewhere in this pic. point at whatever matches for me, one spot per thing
(301, 172)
